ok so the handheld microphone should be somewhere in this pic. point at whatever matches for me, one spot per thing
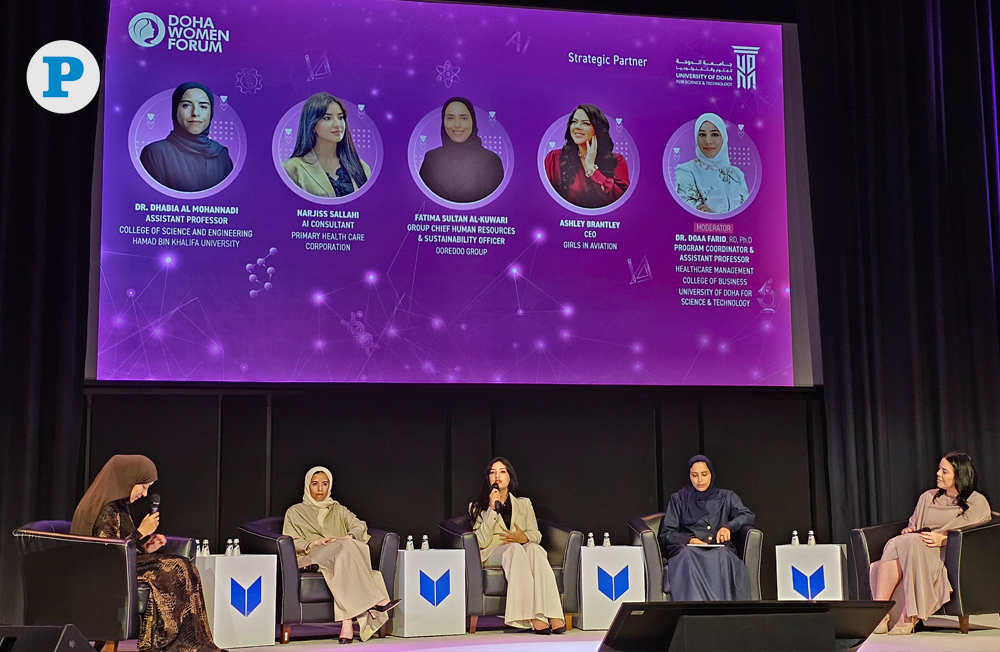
(154, 501)
(496, 503)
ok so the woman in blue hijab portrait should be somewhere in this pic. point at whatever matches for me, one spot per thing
(709, 182)
(696, 537)
(188, 160)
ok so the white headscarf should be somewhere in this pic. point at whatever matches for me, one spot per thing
(720, 160)
(322, 505)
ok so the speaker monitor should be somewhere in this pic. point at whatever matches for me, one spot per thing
(43, 639)
(765, 626)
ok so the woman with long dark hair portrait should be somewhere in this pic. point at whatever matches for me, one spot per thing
(329, 535)
(911, 571)
(187, 159)
(698, 519)
(325, 162)
(587, 172)
(461, 170)
(508, 536)
(175, 617)
(709, 182)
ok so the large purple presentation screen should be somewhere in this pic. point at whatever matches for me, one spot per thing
(397, 191)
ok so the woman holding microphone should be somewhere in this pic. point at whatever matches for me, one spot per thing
(508, 536)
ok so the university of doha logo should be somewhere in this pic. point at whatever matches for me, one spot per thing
(746, 66)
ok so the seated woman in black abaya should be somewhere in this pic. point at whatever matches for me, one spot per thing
(461, 170)
(187, 159)
(699, 517)
(175, 619)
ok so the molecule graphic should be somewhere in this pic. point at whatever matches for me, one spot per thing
(256, 278)
(448, 74)
(357, 330)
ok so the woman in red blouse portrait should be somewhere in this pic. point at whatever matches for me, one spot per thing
(587, 172)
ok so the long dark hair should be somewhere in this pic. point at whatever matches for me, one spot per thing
(312, 111)
(482, 501)
(569, 161)
(965, 478)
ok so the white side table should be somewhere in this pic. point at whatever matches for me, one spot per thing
(239, 598)
(608, 577)
(431, 584)
(811, 572)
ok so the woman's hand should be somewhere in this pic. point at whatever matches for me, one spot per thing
(590, 158)
(723, 535)
(155, 542)
(320, 542)
(696, 541)
(149, 524)
(933, 539)
(908, 530)
(494, 498)
(516, 535)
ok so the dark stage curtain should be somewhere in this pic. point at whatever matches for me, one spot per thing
(902, 143)
(46, 161)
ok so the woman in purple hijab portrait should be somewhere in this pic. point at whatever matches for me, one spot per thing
(696, 537)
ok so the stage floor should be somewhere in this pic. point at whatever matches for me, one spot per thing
(985, 637)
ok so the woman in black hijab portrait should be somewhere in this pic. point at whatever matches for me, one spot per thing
(187, 159)
(696, 536)
(461, 170)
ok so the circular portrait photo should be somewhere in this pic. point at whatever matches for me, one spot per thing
(588, 165)
(327, 149)
(187, 142)
(462, 156)
(709, 173)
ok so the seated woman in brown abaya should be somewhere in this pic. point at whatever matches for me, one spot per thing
(329, 535)
(175, 617)
(911, 570)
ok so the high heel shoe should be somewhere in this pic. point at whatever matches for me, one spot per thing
(544, 631)
(902, 628)
(346, 641)
(388, 606)
(883, 626)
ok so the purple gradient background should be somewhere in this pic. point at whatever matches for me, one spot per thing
(565, 316)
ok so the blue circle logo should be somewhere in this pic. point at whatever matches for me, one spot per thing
(146, 29)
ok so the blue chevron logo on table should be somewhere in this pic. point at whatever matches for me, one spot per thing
(435, 591)
(245, 600)
(613, 587)
(811, 586)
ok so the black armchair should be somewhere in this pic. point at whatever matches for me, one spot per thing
(303, 596)
(972, 558)
(486, 587)
(749, 543)
(88, 581)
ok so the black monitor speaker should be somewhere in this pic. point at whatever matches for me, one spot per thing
(765, 626)
(65, 638)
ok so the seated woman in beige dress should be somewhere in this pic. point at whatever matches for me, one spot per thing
(329, 535)
(508, 536)
(911, 570)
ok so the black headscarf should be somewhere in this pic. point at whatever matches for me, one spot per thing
(184, 140)
(461, 172)
(473, 141)
(693, 501)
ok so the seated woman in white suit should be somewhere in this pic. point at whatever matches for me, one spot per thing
(508, 536)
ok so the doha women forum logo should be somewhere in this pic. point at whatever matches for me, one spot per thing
(146, 29)
(188, 33)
